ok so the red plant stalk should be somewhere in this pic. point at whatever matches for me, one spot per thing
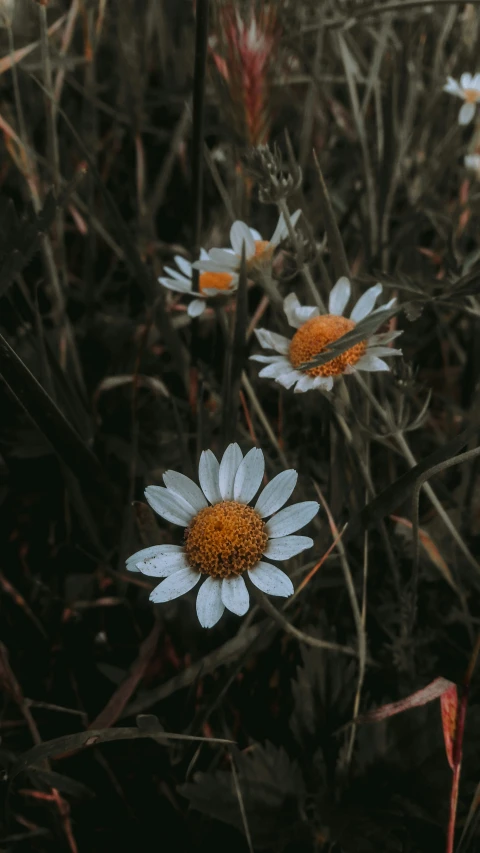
(453, 730)
(244, 53)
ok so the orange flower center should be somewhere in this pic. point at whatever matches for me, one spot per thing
(471, 96)
(314, 336)
(225, 540)
(263, 252)
(215, 280)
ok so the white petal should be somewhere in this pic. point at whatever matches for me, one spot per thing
(466, 80)
(175, 274)
(371, 363)
(475, 84)
(249, 476)
(255, 234)
(276, 493)
(183, 265)
(452, 87)
(225, 259)
(196, 307)
(169, 506)
(203, 255)
(235, 595)
(175, 585)
(147, 553)
(270, 340)
(208, 471)
(366, 302)
(209, 603)
(281, 230)
(228, 469)
(240, 234)
(298, 314)
(324, 382)
(268, 359)
(209, 266)
(288, 379)
(385, 307)
(305, 383)
(164, 563)
(467, 112)
(384, 338)
(271, 580)
(286, 547)
(292, 518)
(273, 371)
(179, 285)
(183, 486)
(339, 296)
(385, 351)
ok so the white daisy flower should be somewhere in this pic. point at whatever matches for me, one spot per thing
(225, 537)
(472, 161)
(210, 284)
(469, 90)
(315, 331)
(257, 250)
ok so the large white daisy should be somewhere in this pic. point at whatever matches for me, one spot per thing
(225, 537)
(257, 250)
(210, 284)
(469, 90)
(316, 331)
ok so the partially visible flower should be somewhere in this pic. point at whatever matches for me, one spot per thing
(210, 283)
(315, 332)
(257, 250)
(225, 537)
(469, 90)
(472, 161)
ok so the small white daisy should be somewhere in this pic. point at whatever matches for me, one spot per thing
(472, 161)
(469, 90)
(225, 536)
(315, 331)
(257, 250)
(210, 283)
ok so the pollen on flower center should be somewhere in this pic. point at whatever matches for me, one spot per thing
(225, 540)
(263, 251)
(312, 338)
(471, 96)
(215, 281)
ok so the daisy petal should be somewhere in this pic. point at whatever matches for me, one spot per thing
(467, 112)
(176, 275)
(452, 87)
(271, 580)
(291, 518)
(384, 338)
(249, 476)
(276, 493)
(306, 383)
(475, 84)
(272, 371)
(240, 234)
(324, 382)
(339, 296)
(179, 285)
(366, 302)
(169, 506)
(371, 363)
(270, 340)
(196, 307)
(385, 351)
(175, 585)
(286, 547)
(224, 258)
(268, 359)
(297, 314)
(164, 563)
(235, 595)
(289, 378)
(228, 469)
(208, 471)
(255, 234)
(210, 266)
(147, 553)
(281, 230)
(185, 488)
(209, 603)
(466, 80)
(183, 265)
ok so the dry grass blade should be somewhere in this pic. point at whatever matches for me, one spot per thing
(335, 242)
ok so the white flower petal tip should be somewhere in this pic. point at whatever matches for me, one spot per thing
(298, 314)
(466, 114)
(175, 585)
(371, 364)
(286, 547)
(276, 493)
(271, 340)
(339, 296)
(196, 308)
(235, 595)
(249, 476)
(208, 473)
(292, 518)
(159, 561)
(169, 506)
(365, 304)
(229, 466)
(209, 605)
(271, 580)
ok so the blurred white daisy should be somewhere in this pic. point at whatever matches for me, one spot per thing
(316, 331)
(472, 161)
(210, 283)
(257, 250)
(469, 90)
(225, 536)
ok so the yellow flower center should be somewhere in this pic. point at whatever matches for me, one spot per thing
(225, 540)
(263, 253)
(471, 96)
(215, 280)
(314, 336)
